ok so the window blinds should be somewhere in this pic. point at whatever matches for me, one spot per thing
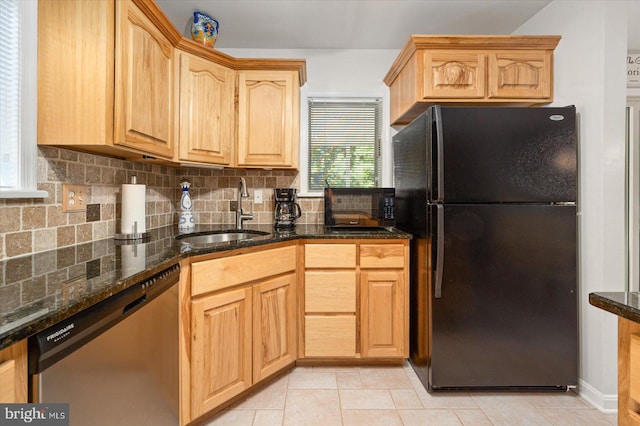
(344, 142)
(10, 105)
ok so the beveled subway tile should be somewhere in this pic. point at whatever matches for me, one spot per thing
(44, 262)
(18, 243)
(44, 239)
(371, 418)
(34, 217)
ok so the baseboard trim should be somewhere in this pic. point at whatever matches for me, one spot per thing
(607, 404)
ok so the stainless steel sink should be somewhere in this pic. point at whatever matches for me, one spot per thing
(220, 237)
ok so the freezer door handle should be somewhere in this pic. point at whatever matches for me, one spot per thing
(437, 118)
(439, 251)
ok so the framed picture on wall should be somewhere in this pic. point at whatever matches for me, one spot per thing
(633, 69)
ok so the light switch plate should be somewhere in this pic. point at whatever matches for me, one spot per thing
(257, 196)
(74, 198)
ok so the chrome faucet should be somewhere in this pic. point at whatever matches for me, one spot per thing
(242, 193)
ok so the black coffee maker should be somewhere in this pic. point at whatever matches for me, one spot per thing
(286, 210)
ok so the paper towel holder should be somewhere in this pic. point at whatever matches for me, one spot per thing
(135, 235)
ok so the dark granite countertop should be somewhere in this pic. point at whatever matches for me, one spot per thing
(625, 304)
(42, 289)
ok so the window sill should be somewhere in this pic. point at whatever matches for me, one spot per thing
(24, 194)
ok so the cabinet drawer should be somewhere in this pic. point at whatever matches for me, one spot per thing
(330, 291)
(330, 335)
(216, 274)
(330, 255)
(382, 256)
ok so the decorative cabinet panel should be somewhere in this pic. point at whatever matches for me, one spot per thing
(144, 113)
(454, 74)
(525, 74)
(383, 313)
(221, 358)
(467, 70)
(13, 374)
(206, 111)
(274, 316)
(268, 119)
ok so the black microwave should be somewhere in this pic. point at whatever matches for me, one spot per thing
(359, 207)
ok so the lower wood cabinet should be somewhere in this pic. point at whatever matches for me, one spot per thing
(244, 332)
(383, 313)
(13, 373)
(221, 357)
(356, 300)
(274, 325)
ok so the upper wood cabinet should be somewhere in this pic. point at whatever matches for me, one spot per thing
(268, 119)
(144, 113)
(105, 79)
(490, 70)
(117, 78)
(206, 117)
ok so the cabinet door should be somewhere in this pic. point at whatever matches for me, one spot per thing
(206, 111)
(268, 119)
(520, 74)
(221, 348)
(274, 325)
(13, 374)
(144, 84)
(383, 310)
(456, 74)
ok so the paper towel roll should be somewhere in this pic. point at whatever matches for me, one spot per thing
(133, 208)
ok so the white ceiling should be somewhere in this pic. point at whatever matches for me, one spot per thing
(356, 24)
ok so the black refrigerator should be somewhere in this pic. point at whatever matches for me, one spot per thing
(490, 197)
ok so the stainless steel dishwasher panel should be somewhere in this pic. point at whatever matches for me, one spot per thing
(128, 375)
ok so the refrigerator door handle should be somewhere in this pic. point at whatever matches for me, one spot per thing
(437, 118)
(439, 252)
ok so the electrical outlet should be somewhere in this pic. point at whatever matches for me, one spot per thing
(74, 198)
(257, 196)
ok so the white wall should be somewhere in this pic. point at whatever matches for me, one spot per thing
(589, 72)
(339, 72)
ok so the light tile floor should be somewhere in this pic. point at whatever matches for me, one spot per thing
(370, 396)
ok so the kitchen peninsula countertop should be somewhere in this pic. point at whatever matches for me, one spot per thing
(42, 289)
(625, 304)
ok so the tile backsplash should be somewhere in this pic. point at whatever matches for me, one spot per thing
(37, 225)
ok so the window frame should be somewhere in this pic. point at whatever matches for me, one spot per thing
(27, 145)
(304, 170)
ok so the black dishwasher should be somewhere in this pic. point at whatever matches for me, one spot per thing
(115, 362)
